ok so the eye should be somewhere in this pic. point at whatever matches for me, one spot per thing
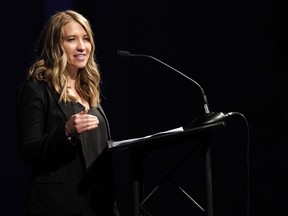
(70, 39)
(86, 38)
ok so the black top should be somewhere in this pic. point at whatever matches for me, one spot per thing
(61, 183)
(93, 141)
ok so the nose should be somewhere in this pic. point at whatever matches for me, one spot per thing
(80, 45)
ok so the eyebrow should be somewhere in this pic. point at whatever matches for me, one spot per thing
(85, 35)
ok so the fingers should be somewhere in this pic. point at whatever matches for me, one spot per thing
(85, 122)
(85, 111)
(88, 125)
(81, 122)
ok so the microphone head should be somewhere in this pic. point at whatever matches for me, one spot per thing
(123, 54)
(208, 118)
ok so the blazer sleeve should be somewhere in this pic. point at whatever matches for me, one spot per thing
(39, 142)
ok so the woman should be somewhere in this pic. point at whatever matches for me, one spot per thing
(62, 127)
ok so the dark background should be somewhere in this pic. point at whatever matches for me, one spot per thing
(236, 50)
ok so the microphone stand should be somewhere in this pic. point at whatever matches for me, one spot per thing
(209, 117)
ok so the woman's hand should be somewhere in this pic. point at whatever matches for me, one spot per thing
(80, 123)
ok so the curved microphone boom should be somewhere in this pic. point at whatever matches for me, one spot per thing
(126, 54)
(209, 117)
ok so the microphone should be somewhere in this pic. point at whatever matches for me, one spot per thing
(209, 117)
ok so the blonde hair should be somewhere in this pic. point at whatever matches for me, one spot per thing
(51, 60)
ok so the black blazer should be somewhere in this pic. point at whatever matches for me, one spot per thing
(57, 163)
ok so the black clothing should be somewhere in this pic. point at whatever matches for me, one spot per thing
(69, 177)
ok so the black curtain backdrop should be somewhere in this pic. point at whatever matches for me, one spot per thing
(237, 51)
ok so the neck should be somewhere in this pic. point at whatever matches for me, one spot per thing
(71, 80)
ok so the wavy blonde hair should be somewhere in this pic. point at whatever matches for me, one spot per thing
(52, 60)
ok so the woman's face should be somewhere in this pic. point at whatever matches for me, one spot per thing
(77, 46)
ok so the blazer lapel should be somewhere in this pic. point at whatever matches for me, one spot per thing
(67, 109)
(106, 120)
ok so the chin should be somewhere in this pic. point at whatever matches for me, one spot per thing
(82, 65)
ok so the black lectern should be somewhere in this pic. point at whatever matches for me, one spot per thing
(192, 136)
